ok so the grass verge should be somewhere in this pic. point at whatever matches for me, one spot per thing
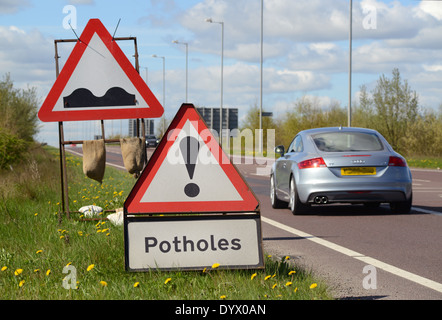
(45, 257)
(425, 162)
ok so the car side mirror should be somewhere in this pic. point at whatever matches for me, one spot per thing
(280, 150)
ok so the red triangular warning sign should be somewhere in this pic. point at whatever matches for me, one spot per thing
(98, 82)
(189, 172)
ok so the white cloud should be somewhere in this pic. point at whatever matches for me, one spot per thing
(12, 6)
(431, 8)
(27, 56)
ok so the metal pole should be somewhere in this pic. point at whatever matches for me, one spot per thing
(260, 89)
(349, 64)
(222, 68)
(187, 69)
(187, 64)
(164, 92)
(63, 173)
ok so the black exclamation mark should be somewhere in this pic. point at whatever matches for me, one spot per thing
(189, 147)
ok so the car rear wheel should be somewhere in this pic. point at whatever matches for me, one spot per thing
(295, 205)
(403, 207)
(276, 203)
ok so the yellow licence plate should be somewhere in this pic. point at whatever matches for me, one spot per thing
(358, 171)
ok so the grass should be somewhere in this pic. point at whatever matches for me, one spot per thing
(38, 244)
(425, 162)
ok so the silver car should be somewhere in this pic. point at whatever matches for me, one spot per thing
(340, 165)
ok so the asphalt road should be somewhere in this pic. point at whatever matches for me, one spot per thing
(360, 253)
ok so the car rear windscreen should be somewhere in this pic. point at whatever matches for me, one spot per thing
(347, 142)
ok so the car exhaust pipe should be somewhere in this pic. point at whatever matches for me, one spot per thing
(320, 200)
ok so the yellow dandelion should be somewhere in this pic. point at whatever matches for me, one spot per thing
(18, 272)
(313, 285)
(39, 251)
(136, 284)
(167, 280)
(204, 270)
(253, 276)
(21, 283)
(4, 268)
(68, 264)
(274, 286)
(36, 270)
(90, 267)
(287, 258)
(292, 272)
(296, 290)
(215, 265)
(48, 272)
(36, 214)
(274, 275)
(223, 296)
(288, 284)
(267, 277)
(103, 283)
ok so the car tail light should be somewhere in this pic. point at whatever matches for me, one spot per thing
(397, 162)
(312, 163)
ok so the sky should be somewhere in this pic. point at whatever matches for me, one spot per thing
(306, 50)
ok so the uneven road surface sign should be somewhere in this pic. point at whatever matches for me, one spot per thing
(98, 82)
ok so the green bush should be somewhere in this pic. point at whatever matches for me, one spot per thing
(11, 148)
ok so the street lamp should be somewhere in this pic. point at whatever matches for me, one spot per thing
(261, 147)
(222, 62)
(349, 65)
(164, 87)
(187, 59)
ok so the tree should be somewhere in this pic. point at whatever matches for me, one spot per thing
(394, 107)
(18, 110)
(18, 121)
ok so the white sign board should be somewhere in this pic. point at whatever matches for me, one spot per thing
(193, 242)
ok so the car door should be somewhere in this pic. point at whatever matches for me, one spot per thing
(285, 166)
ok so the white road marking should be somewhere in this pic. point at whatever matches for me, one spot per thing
(426, 211)
(359, 256)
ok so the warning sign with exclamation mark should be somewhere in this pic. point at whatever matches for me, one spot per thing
(189, 172)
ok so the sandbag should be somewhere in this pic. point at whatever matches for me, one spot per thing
(132, 150)
(116, 218)
(91, 211)
(94, 159)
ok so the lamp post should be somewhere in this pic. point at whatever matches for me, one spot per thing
(164, 88)
(222, 62)
(260, 89)
(187, 59)
(349, 65)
